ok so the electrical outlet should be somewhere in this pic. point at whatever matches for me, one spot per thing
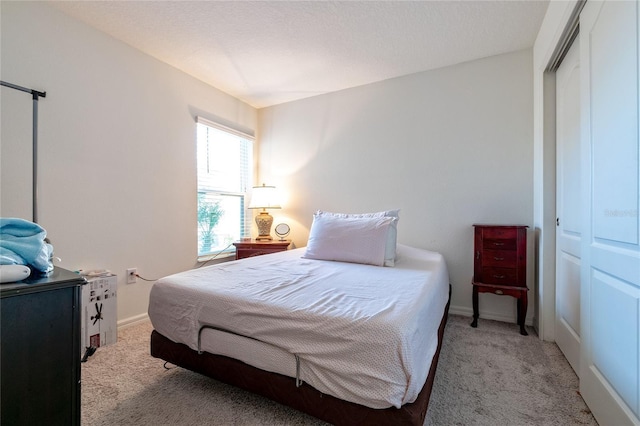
(131, 275)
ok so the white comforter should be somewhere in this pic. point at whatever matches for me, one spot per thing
(365, 334)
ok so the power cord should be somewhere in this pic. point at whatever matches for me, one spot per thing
(200, 266)
(143, 279)
(214, 256)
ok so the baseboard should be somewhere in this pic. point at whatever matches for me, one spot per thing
(468, 312)
(131, 321)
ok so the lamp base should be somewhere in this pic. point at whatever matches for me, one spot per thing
(264, 221)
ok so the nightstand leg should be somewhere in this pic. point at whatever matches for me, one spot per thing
(474, 324)
(522, 312)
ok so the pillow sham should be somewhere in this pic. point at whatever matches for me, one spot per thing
(349, 239)
(392, 236)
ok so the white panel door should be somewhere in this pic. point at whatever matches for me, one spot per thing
(568, 233)
(610, 271)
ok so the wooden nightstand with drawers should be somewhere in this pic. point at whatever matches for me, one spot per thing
(252, 248)
(500, 266)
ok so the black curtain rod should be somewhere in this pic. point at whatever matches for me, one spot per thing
(35, 95)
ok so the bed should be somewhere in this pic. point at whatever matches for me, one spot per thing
(345, 342)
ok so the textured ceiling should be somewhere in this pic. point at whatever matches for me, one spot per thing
(269, 52)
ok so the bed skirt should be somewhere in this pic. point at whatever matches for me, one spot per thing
(283, 390)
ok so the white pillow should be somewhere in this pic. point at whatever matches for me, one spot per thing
(392, 236)
(349, 239)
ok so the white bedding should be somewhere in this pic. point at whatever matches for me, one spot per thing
(365, 334)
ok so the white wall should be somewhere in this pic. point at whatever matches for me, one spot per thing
(117, 146)
(449, 147)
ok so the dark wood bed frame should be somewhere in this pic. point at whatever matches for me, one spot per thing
(283, 389)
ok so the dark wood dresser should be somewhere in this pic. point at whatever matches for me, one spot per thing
(252, 248)
(500, 266)
(40, 350)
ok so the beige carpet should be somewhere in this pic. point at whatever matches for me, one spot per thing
(486, 376)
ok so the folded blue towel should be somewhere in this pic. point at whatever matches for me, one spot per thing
(22, 243)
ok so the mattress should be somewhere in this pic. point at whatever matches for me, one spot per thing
(362, 333)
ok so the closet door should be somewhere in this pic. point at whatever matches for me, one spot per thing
(610, 270)
(569, 223)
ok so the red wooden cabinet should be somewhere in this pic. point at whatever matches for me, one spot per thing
(257, 248)
(500, 266)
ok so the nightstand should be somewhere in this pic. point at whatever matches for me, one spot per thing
(252, 248)
(500, 266)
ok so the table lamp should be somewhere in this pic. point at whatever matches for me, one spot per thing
(264, 197)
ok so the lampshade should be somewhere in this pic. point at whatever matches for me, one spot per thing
(264, 197)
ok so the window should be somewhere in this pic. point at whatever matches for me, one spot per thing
(225, 161)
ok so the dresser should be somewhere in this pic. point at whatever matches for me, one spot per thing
(500, 266)
(40, 350)
(252, 248)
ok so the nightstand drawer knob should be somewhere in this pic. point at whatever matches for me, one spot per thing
(498, 244)
(499, 277)
(498, 258)
(499, 292)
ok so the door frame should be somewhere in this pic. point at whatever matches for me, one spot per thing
(555, 36)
